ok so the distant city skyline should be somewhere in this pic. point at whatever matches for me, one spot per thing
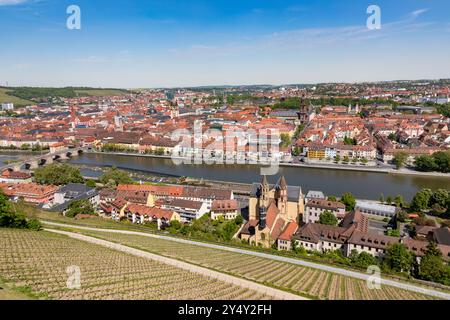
(155, 44)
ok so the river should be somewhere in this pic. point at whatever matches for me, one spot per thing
(365, 185)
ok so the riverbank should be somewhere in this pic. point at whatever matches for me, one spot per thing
(242, 189)
(404, 171)
(364, 185)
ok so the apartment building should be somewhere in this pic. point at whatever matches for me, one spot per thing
(315, 207)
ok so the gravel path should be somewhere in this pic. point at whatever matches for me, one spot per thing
(344, 272)
(275, 293)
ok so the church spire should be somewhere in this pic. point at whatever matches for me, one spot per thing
(265, 189)
(264, 182)
(282, 183)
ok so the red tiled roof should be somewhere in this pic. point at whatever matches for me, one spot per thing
(28, 190)
(153, 212)
(224, 205)
(155, 190)
(272, 214)
(289, 231)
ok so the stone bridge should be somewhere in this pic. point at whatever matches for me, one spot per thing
(35, 162)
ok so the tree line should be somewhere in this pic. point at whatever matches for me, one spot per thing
(438, 162)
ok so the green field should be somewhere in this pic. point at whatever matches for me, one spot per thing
(22, 96)
(18, 102)
(100, 92)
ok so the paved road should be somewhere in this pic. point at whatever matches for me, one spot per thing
(353, 274)
(275, 293)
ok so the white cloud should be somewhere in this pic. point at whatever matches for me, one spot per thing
(417, 13)
(11, 2)
(308, 38)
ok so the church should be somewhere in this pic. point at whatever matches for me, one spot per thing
(273, 209)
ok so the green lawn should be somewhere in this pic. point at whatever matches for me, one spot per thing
(5, 97)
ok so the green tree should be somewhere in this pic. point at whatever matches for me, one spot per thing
(400, 159)
(337, 158)
(115, 177)
(425, 164)
(239, 220)
(389, 200)
(299, 131)
(350, 142)
(285, 140)
(349, 200)
(328, 218)
(25, 146)
(399, 201)
(444, 110)
(432, 266)
(332, 198)
(398, 258)
(37, 147)
(10, 218)
(298, 249)
(34, 224)
(91, 183)
(296, 151)
(80, 207)
(421, 200)
(58, 174)
(393, 233)
(442, 160)
(393, 137)
(439, 197)
(229, 228)
(363, 260)
(433, 250)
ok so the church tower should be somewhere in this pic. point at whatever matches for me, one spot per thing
(265, 190)
(73, 117)
(303, 113)
(282, 195)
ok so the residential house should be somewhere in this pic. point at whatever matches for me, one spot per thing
(314, 208)
(74, 192)
(227, 209)
(141, 214)
(13, 177)
(187, 209)
(315, 195)
(30, 192)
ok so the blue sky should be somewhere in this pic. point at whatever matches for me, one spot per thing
(164, 43)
